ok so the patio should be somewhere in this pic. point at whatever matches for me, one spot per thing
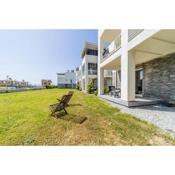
(139, 101)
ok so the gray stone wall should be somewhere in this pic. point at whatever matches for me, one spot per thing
(159, 78)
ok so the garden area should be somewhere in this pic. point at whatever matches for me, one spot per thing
(25, 120)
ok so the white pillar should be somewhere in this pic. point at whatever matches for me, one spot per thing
(114, 78)
(100, 70)
(127, 70)
(101, 81)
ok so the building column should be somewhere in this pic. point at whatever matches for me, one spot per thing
(127, 70)
(100, 70)
(101, 81)
(114, 78)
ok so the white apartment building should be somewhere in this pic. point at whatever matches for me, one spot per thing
(78, 74)
(88, 69)
(67, 79)
(144, 62)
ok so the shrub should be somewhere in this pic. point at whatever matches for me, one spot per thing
(106, 90)
(50, 86)
(96, 92)
(91, 87)
(78, 86)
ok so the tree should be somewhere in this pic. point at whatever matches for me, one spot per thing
(91, 87)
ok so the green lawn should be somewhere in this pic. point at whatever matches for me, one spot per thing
(25, 120)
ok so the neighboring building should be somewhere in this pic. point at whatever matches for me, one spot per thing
(143, 60)
(14, 83)
(88, 66)
(78, 74)
(67, 79)
(46, 82)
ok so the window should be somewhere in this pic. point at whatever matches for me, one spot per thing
(92, 52)
(139, 81)
(92, 68)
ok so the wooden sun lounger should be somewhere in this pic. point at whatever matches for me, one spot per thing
(63, 103)
(70, 94)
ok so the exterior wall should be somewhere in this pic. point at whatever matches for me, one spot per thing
(86, 78)
(70, 77)
(67, 79)
(66, 85)
(159, 78)
(60, 78)
(90, 59)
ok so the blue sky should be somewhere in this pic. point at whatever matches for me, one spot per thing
(33, 55)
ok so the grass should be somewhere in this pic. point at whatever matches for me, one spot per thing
(25, 120)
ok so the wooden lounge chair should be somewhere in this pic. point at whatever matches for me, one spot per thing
(70, 94)
(63, 103)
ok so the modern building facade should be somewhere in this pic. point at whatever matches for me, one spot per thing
(67, 79)
(88, 70)
(89, 64)
(144, 62)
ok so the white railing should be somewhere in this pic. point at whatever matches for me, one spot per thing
(112, 47)
(92, 72)
(132, 33)
(107, 73)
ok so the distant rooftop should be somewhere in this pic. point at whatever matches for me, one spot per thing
(65, 72)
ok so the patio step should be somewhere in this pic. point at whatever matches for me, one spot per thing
(135, 103)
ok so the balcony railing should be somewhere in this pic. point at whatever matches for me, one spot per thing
(113, 47)
(132, 33)
(107, 73)
(92, 72)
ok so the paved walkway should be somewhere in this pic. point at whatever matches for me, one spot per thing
(161, 116)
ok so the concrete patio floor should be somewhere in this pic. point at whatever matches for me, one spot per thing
(161, 116)
(139, 101)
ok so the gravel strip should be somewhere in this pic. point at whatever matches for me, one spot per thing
(161, 116)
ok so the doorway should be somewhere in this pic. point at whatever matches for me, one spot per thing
(139, 81)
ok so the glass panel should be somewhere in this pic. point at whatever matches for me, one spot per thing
(92, 52)
(92, 68)
(139, 81)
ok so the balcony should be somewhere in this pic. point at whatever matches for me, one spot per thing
(132, 33)
(112, 47)
(92, 72)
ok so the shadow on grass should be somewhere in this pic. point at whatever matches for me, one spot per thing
(70, 105)
(71, 117)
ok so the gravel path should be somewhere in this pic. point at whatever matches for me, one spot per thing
(161, 116)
